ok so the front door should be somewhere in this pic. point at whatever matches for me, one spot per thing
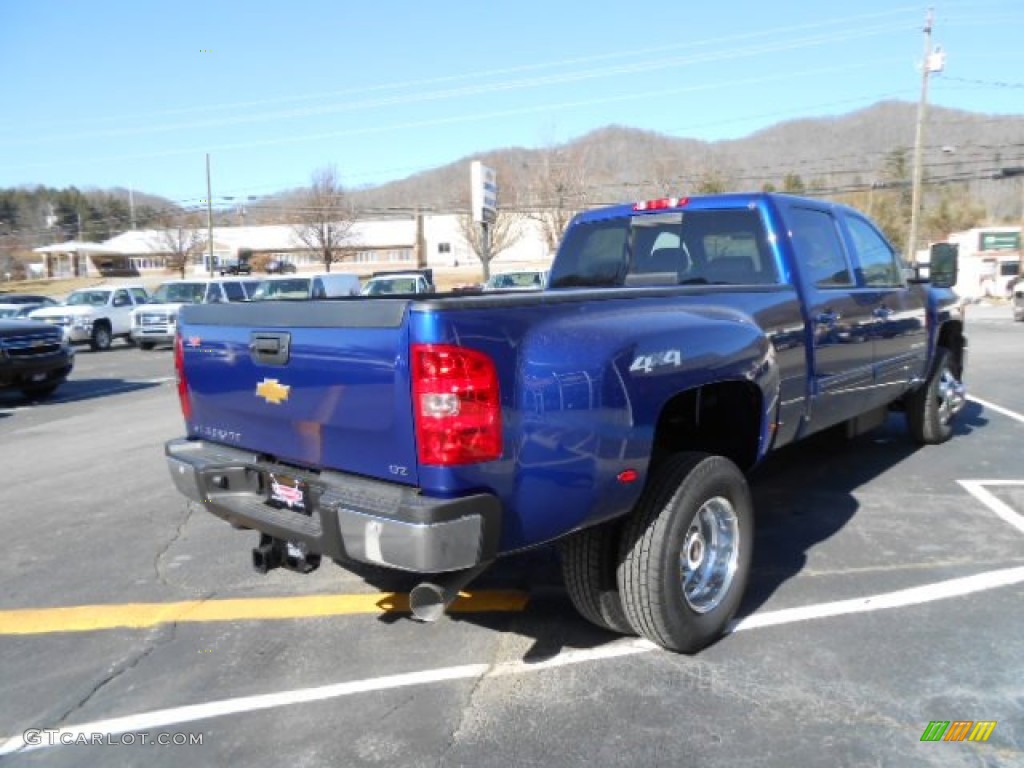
(901, 335)
(840, 317)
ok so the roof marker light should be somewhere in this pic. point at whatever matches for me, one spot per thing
(660, 204)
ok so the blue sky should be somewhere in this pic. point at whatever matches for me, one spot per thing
(134, 94)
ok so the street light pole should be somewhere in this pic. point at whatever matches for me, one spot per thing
(209, 219)
(932, 62)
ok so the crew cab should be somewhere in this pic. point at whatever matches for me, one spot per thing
(616, 413)
(154, 322)
(34, 357)
(95, 315)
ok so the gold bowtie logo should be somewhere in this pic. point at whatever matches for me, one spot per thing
(272, 391)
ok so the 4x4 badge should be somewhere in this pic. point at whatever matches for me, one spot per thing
(273, 391)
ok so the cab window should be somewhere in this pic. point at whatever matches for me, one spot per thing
(819, 249)
(879, 264)
(234, 291)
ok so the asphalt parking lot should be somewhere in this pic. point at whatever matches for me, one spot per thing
(887, 593)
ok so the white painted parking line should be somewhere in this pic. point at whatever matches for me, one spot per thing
(165, 718)
(997, 408)
(942, 590)
(977, 489)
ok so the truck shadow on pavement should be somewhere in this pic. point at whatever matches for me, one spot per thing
(74, 390)
(803, 495)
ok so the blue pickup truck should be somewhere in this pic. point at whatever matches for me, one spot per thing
(616, 412)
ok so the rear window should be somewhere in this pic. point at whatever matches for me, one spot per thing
(716, 247)
(234, 291)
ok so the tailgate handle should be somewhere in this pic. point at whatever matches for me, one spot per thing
(270, 348)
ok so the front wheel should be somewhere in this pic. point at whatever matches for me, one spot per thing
(686, 550)
(931, 408)
(101, 337)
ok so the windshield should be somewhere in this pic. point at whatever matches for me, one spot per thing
(9, 311)
(179, 293)
(295, 288)
(88, 298)
(390, 285)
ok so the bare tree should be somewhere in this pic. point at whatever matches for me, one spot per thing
(506, 231)
(180, 238)
(323, 217)
(559, 191)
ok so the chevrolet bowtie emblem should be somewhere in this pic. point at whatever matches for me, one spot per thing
(273, 391)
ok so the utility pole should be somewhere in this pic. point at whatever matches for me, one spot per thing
(131, 206)
(932, 62)
(209, 218)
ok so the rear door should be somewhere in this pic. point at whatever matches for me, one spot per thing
(840, 317)
(317, 384)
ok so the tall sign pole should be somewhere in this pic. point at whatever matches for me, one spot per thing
(932, 62)
(484, 201)
(209, 219)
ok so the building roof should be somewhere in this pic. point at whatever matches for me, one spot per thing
(276, 237)
(74, 246)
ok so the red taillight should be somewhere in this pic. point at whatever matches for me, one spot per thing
(661, 204)
(456, 403)
(179, 372)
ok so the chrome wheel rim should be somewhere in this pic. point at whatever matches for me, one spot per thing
(952, 396)
(707, 561)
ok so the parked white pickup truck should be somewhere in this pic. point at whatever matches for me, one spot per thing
(95, 315)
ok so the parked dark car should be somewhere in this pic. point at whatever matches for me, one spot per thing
(34, 357)
(238, 268)
(279, 267)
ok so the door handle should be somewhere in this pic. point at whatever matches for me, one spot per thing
(271, 348)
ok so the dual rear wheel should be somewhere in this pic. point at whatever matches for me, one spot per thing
(674, 571)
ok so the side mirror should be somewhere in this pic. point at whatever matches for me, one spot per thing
(944, 264)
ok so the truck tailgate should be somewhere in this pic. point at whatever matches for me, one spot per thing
(323, 384)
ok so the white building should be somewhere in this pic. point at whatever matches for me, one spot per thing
(989, 258)
(370, 245)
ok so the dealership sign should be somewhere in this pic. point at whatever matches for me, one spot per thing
(484, 188)
(999, 241)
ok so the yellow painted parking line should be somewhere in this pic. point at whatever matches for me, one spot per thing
(88, 618)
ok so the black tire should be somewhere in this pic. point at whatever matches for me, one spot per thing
(146, 345)
(665, 525)
(40, 391)
(101, 337)
(589, 561)
(932, 407)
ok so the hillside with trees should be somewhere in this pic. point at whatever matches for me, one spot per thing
(864, 158)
